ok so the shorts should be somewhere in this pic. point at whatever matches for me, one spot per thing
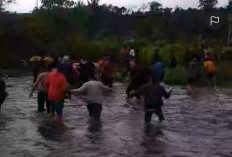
(57, 107)
(95, 110)
(149, 113)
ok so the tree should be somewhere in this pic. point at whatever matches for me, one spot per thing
(49, 4)
(93, 4)
(178, 9)
(155, 6)
(3, 2)
(229, 6)
(207, 4)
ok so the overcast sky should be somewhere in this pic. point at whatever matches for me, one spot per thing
(23, 6)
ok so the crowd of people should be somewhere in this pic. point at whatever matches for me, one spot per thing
(61, 77)
(200, 69)
(57, 78)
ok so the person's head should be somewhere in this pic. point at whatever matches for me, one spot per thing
(66, 58)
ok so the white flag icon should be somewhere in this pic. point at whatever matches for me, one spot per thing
(214, 19)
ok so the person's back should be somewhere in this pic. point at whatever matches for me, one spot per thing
(158, 71)
(132, 54)
(209, 66)
(41, 86)
(153, 94)
(69, 72)
(210, 69)
(41, 82)
(107, 69)
(94, 90)
(192, 70)
(56, 91)
(56, 86)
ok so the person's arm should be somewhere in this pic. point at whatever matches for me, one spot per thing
(80, 90)
(166, 93)
(139, 91)
(35, 85)
(105, 88)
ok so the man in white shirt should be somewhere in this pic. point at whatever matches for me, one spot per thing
(132, 54)
(94, 91)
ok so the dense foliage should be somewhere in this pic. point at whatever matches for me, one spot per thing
(87, 31)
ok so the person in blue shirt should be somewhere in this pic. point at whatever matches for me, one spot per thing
(158, 69)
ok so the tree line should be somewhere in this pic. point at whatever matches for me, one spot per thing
(66, 26)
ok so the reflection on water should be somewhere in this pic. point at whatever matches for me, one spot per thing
(198, 124)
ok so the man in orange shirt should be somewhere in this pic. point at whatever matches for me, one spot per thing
(210, 69)
(107, 69)
(56, 83)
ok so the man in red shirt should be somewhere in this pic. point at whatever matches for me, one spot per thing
(56, 83)
(107, 69)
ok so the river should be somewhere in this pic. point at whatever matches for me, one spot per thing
(198, 124)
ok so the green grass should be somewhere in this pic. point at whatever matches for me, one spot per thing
(176, 76)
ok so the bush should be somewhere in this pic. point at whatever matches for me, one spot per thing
(176, 76)
(227, 53)
(146, 56)
(173, 50)
(118, 77)
(224, 74)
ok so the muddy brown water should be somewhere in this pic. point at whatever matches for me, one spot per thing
(198, 125)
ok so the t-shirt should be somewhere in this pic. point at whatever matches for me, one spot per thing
(56, 86)
(153, 95)
(209, 66)
(107, 69)
(132, 54)
(93, 90)
(158, 71)
(41, 82)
